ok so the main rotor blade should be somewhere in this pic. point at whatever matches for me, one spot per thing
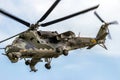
(69, 16)
(15, 18)
(2, 48)
(11, 37)
(49, 11)
(99, 17)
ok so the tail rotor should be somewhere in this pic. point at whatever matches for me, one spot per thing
(103, 32)
(106, 24)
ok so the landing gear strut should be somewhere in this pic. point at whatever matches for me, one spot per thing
(47, 65)
(27, 62)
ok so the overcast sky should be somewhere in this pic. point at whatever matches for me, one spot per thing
(94, 64)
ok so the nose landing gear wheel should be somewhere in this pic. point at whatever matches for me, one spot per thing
(47, 66)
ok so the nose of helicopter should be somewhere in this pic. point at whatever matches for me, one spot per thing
(12, 57)
(11, 48)
(11, 53)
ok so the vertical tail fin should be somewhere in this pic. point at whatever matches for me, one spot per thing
(103, 32)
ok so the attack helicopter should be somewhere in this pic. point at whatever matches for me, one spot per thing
(35, 45)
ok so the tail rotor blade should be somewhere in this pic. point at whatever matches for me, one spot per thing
(49, 11)
(109, 35)
(113, 22)
(99, 17)
(14, 18)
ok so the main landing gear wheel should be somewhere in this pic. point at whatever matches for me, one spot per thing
(65, 52)
(27, 62)
(47, 66)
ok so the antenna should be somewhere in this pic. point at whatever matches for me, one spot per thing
(79, 34)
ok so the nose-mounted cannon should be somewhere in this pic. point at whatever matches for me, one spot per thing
(12, 54)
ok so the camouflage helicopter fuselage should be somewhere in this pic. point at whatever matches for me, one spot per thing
(36, 45)
(44, 44)
(33, 46)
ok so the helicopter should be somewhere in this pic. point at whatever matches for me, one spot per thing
(35, 45)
